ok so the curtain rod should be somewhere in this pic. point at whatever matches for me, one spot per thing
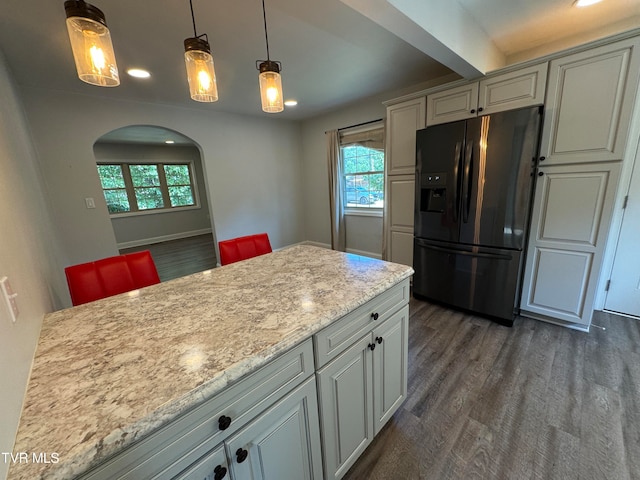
(359, 124)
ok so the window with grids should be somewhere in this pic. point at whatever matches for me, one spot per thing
(146, 187)
(362, 155)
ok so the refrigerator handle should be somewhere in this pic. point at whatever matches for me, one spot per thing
(466, 181)
(456, 180)
(454, 251)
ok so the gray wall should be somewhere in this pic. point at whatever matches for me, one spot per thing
(364, 234)
(252, 167)
(140, 229)
(29, 256)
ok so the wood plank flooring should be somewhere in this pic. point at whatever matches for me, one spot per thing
(177, 258)
(535, 401)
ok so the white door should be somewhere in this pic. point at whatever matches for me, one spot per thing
(281, 444)
(624, 290)
(346, 405)
(570, 222)
(390, 367)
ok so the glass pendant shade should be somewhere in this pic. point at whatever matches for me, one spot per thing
(200, 71)
(91, 44)
(271, 87)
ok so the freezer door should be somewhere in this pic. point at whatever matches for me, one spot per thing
(482, 280)
(437, 199)
(498, 164)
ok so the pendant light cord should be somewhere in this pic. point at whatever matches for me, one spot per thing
(266, 35)
(193, 19)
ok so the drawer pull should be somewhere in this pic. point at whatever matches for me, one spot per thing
(372, 346)
(224, 422)
(379, 340)
(375, 315)
(219, 472)
(241, 455)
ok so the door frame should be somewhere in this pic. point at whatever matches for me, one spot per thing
(630, 159)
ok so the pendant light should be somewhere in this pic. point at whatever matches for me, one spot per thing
(270, 79)
(91, 44)
(199, 62)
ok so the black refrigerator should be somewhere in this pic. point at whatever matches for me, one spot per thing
(474, 182)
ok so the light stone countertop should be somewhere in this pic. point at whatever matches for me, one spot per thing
(110, 372)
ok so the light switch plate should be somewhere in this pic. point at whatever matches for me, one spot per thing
(9, 298)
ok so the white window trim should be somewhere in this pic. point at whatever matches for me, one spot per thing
(364, 212)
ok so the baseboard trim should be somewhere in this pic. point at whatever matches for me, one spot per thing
(163, 238)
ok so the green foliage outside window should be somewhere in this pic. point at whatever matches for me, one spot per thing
(137, 187)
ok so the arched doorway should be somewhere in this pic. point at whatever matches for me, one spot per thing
(154, 183)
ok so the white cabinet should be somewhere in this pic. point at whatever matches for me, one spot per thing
(401, 191)
(453, 104)
(507, 91)
(212, 466)
(360, 390)
(282, 443)
(403, 119)
(589, 101)
(570, 220)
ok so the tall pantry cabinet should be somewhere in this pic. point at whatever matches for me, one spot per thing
(403, 119)
(590, 97)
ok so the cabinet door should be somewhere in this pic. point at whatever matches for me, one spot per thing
(403, 119)
(589, 101)
(281, 444)
(390, 367)
(453, 104)
(570, 222)
(212, 467)
(522, 88)
(346, 406)
(400, 195)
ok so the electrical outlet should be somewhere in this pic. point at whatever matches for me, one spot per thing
(10, 298)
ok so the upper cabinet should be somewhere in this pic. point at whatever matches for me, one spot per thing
(590, 97)
(453, 104)
(507, 91)
(403, 119)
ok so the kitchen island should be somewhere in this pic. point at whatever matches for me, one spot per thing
(111, 374)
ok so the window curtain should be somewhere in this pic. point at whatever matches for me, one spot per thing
(336, 202)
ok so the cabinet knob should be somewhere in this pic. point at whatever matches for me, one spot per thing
(224, 422)
(480, 109)
(542, 159)
(540, 174)
(473, 110)
(379, 340)
(372, 346)
(375, 315)
(219, 472)
(241, 455)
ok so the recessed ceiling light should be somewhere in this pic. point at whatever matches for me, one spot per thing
(585, 3)
(138, 73)
(291, 103)
(169, 141)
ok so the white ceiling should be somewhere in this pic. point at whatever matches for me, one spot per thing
(332, 52)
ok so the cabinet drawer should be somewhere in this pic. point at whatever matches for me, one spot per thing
(334, 339)
(170, 450)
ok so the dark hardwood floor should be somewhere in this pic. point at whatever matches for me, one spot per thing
(177, 258)
(535, 401)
